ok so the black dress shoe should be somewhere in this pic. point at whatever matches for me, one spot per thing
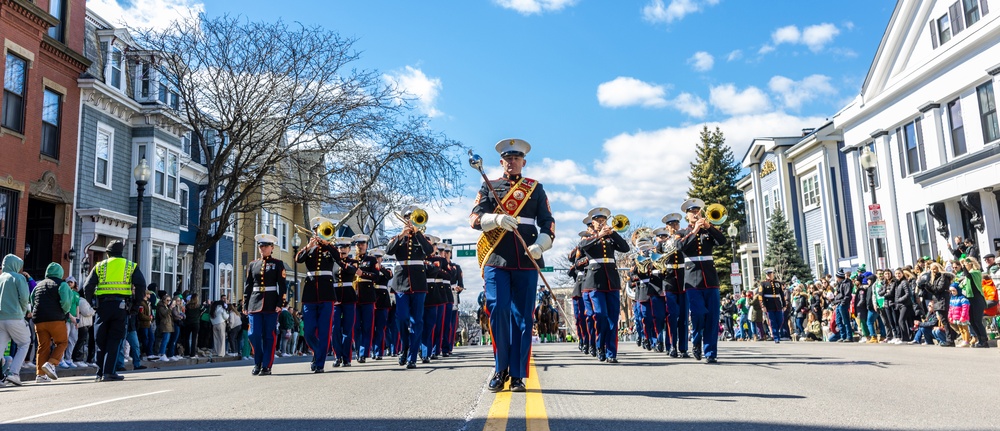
(411, 365)
(113, 378)
(435, 357)
(256, 370)
(602, 358)
(426, 360)
(497, 381)
(141, 367)
(99, 378)
(446, 354)
(593, 352)
(378, 358)
(673, 353)
(517, 385)
(638, 342)
(361, 360)
(685, 355)
(338, 362)
(347, 364)
(265, 372)
(711, 360)
(312, 367)
(612, 360)
(697, 354)
(402, 360)
(659, 347)
(120, 369)
(318, 370)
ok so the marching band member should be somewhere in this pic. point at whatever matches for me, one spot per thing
(383, 303)
(648, 297)
(409, 280)
(511, 277)
(451, 308)
(579, 312)
(587, 289)
(344, 311)
(432, 302)
(318, 295)
(444, 293)
(367, 276)
(668, 240)
(264, 291)
(701, 281)
(773, 294)
(603, 277)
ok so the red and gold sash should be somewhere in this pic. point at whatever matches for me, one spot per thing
(511, 204)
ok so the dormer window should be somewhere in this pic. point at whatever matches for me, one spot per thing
(115, 66)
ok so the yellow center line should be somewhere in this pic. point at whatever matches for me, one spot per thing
(534, 407)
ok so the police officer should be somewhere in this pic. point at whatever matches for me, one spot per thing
(318, 295)
(264, 291)
(383, 303)
(511, 277)
(409, 280)
(773, 294)
(701, 281)
(117, 286)
(668, 244)
(344, 311)
(603, 278)
(366, 279)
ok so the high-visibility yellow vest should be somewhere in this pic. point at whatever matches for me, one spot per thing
(114, 277)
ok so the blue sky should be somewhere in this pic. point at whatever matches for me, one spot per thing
(610, 93)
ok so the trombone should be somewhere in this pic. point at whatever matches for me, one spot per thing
(716, 214)
(325, 231)
(417, 219)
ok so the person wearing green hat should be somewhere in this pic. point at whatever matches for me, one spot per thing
(50, 301)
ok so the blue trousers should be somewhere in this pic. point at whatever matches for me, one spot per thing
(343, 330)
(410, 317)
(743, 330)
(877, 327)
(392, 341)
(704, 306)
(510, 301)
(449, 329)
(580, 315)
(132, 338)
(378, 333)
(439, 329)
(776, 318)
(637, 325)
(317, 322)
(590, 321)
(427, 335)
(652, 313)
(607, 309)
(677, 321)
(366, 318)
(263, 336)
(843, 316)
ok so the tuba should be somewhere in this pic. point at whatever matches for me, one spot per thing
(716, 214)
(620, 223)
(642, 240)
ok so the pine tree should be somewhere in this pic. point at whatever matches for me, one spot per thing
(713, 178)
(783, 252)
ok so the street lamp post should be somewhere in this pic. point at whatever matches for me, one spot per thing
(869, 161)
(296, 242)
(141, 173)
(734, 233)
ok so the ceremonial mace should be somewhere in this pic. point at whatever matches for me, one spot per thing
(477, 163)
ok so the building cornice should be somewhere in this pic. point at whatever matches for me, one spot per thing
(62, 52)
(32, 12)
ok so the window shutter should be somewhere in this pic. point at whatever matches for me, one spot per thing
(984, 7)
(913, 238)
(957, 17)
(934, 33)
(920, 144)
(931, 230)
(902, 152)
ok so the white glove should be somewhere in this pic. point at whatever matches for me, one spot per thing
(493, 221)
(542, 244)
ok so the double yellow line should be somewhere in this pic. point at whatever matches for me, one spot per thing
(534, 406)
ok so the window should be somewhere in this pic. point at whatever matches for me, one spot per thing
(922, 234)
(144, 75)
(156, 266)
(51, 104)
(57, 8)
(818, 253)
(988, 112)
(167, 94)
(103, 156)
(14, 79)
(115, 62)
(160, 170)
(282, 234)
(810, 191)
(172, 169)
(775, 199)
(165, 169)
(186, 143)
(8, 220)
(944, 29)
(971, 9)
(184, 207)
(911, 148)
(163, 267)
(767, 206)
(958, 146)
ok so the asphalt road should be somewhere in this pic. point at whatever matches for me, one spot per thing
(755, 386)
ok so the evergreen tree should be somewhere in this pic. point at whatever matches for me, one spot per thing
(783, 252)
(713, 177)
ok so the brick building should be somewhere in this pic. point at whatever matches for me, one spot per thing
(39, 115)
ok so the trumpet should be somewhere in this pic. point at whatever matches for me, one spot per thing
(716, 214)
(620, 223)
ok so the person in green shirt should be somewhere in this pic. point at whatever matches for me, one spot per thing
(973, 283)
(72, 318)
(743, 308)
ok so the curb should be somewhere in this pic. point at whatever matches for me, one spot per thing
(28, 375)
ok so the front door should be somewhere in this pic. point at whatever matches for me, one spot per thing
(39, 235)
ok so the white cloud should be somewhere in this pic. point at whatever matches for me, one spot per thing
(794, 93)
(702, 61)
(732, 101)
(816, 37)
(765, 49)
(734, 55)
(690, 104)
(656, 11)
(626, 91)
(529, 7)
(563, 172)
(146, 13)
(414, 83)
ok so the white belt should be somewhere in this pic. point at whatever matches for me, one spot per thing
(698, 259)
(318, 273)
(525, 220)
(674, 266)
(770, 296)
(343, 284)
(266, 289)
(645, 280)
(656, 272)
(603, 260)
(382, 287)
(434, 280)
(409, 262)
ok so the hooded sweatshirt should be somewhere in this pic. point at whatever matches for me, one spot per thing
(52, 297)
(14, 299)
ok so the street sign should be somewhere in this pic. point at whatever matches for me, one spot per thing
(735, 279)
(546, 269)
(466, 253)
(875, 212)
(876, 229)
(734, 267)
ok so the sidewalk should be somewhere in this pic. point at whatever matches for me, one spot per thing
(28, 375)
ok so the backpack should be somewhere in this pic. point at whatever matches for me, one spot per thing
(990, 293)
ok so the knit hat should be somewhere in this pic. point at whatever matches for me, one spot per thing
(840, 273)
